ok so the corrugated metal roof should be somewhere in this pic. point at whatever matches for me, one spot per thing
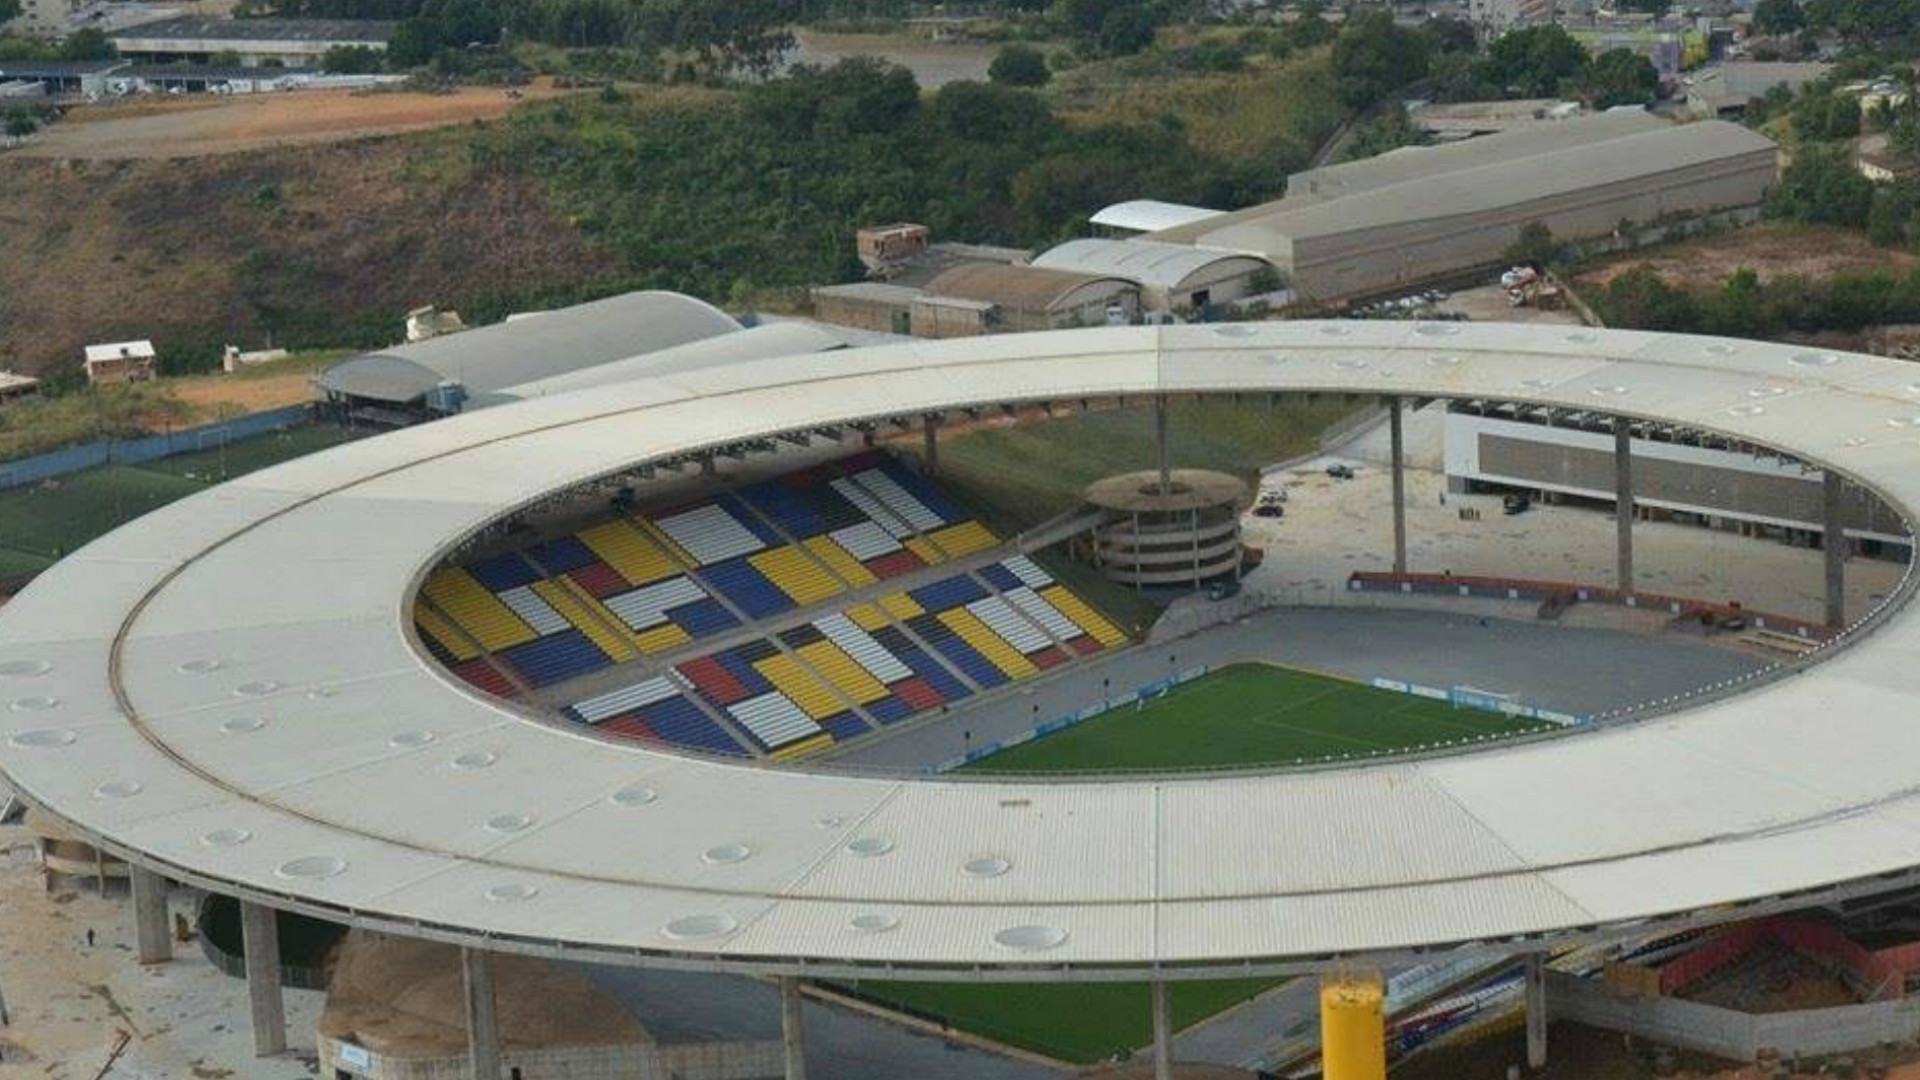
(1456, 191)
(192, 28)
(528, 348)
(280, 598)
(1025, 288)
(1150, 215)
(1146, 262)
(742, 346)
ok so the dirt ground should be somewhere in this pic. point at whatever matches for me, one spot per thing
(934, 64)
(217, 125)
(273, 386)
(1773, 249)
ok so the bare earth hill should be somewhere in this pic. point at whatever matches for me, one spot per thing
(326, 244)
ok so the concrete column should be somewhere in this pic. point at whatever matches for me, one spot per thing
(151, 939)
(1160, 442)
(483, 1025)
(1162, 1033)
(260, 937)
(930, 428)
(1396, 437)
(1834, 544)
(792, 1028)
(1536, 1012)
(708, 467)
(1623, 499)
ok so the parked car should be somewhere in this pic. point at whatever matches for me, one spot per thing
(1516, 504)
(1221, 590)
(1269, 510)
(1340, 471)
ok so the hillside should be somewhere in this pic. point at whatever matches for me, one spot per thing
(326, 245)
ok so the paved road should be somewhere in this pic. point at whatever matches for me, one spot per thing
(1570, 669)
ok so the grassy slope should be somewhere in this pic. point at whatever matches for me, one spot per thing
(1018, 476)
(1253, 714)
(324, 245)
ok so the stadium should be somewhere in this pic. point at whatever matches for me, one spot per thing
(537, 680)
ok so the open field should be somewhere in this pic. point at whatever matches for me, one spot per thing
(172, 128)
(1773, 249)
(44, 522)
(934, 64)
(255, 389)
(1253, 714)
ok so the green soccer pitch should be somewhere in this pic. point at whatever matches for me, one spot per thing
(1241, 715)
(1252, 715)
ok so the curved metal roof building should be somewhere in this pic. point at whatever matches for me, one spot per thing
(229, 691)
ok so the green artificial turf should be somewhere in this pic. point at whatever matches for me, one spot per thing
(1254, 714)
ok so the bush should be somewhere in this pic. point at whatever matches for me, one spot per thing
(1019, 65)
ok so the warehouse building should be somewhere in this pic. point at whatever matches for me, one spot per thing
(879, 306)
(1725, 90)
(256, 42)
(1418, 214)
(61, 78)
(435, 377)
(1019, 298)
(1171, 277)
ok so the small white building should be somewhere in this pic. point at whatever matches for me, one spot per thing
(120, 362)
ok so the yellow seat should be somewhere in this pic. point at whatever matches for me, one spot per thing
(988, 644)
(790, 678)
(845, 566)
(1083, 616)
(803, 748)
(963, 539)
(843, 671)
(587, 615)
(796, 575)
(632, 555)
(436, 626)
(475, 610)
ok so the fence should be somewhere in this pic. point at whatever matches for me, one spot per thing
(73, 459)
(1061, 723)
(1468, 697)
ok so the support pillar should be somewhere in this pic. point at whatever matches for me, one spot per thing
(260, 937)
(708, 467)
(1160, 442)
(1353, 1036)
(1834, 545)
(792, 1028)
(1536, 1012)
(150, 930)
(1162, 1033)
(483, 1024)
(1397, 451)
(930, 428)
(1623, 499)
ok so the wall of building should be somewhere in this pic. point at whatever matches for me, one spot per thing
(1084, 306)
(1667, 476)
(860, 313)
(1723, 1032)
(1223, 281)
(1369, 260)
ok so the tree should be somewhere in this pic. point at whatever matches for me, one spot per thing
(87, 44)
(21, 123)
(1534, 62)
(1535, 246)
(9, 10)
(1821, 186)
(1451, 35)
(1641, 299)
(743, 35)
(1019, 65)
(1650, 7)
(1779, 18)
(351, 60)
(1373, 57)
(1126, 31)
(1621, 77)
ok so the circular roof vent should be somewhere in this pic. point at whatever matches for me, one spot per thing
(256, 688)
(991, 866)
(408, 740)
(727, 854)
(512, 893)
(225, 838)
(43, 739)
(118, 789)
(24, 669)
(867, 847)
(242, 725)
(693, 927)
(312, 867)
(35, 703)
(637, 795)
(873, 922)
(1032, 938)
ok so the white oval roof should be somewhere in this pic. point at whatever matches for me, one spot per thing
(228, 689)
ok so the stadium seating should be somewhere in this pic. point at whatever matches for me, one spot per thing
(646, 585)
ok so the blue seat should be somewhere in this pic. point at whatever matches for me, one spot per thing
(751, 592)
(502, 572)
(555, 658)
(948, 593)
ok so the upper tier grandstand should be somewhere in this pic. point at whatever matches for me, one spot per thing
(758, 622)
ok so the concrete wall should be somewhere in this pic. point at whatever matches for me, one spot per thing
(686, 1061)
(1666, 476)
(1739, 1036)
(1377, 259)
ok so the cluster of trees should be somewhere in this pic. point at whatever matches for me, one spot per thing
(1862, 21)
(764, 188)
(732, 35)
(85, 44)
(1546, 61)
(1822, 187)
(1745, 306)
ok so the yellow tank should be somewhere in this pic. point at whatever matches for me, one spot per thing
(1353, 1036)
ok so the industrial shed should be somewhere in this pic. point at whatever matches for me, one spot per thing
(438, 375)
(294, 42)
(1035, 298)
(1419, 214)
(1171, 277)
